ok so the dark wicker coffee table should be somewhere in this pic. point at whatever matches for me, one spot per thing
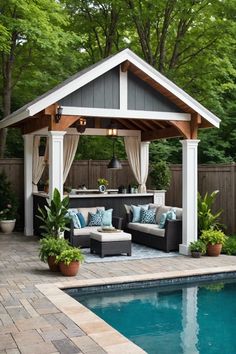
(110, 243)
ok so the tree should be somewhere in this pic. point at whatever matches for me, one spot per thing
(31, 30)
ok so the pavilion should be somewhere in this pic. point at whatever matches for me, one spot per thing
(121, 89)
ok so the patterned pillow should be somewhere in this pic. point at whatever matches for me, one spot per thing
(148, 216)
(137, 212)
(171, 214)
(95, 219)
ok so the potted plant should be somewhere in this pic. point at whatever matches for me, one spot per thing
(51, 247)
(54, 222)
(197, 248)
(102, 184)
(8, 205)
(214, 239)
(69, 261)
(160, 175)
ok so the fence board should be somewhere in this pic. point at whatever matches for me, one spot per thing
(210, 178)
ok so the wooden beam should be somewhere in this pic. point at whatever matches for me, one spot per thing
(125, 66)
(138, 124)
(183, 127)
(65, 122)
(170, 132)
(126, 123)
(195, 121)
(35, 123)
(97, 122)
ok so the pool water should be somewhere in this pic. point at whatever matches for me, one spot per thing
(189, 319)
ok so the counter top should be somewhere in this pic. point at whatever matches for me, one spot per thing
(98, 195)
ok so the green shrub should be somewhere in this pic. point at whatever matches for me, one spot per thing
(160, 175)
(8, 199)
(50, 246)
(69, 255)
(230, 246)
(213, 237)
(198, 246)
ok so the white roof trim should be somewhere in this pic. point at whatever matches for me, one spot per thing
(99, 70)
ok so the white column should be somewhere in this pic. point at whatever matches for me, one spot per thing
(189, 194)
(56, 161)
(144, 164)
(189, 335)
(28, 197)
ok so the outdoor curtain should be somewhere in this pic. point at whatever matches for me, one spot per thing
(138, 157)
(70, 144)
(39, 162)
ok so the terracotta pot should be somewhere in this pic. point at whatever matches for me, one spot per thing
(7, 226)
(196, 254)
(69, 270)
(53, 266)
(214, 250)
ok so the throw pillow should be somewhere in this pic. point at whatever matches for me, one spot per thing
(162, 221)
(72, 214)
(136, 210)
(107, 217)
(171, 214)
(148, 216)
(81, 220)
(95, 219)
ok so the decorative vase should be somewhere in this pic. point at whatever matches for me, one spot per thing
(102, 188)
(69, 270)
(7, 226)
(53, 266)
(196, 254)
(214, 250)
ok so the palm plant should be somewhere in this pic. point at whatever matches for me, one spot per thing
(206, 219)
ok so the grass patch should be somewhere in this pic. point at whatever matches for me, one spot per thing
(230, 246)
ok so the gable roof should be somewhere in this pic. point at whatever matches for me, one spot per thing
(92, 72)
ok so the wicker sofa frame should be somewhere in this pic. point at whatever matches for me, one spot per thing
(170, 241)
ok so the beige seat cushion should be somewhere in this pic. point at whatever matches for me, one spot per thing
(110, 236)
(85, 230)
(86, 211)
(152, 229)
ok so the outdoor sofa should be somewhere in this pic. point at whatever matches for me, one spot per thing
(149, 234)
(80, 237)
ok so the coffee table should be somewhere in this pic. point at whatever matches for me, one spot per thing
(110, 243)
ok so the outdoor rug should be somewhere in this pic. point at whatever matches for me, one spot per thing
(138, 252)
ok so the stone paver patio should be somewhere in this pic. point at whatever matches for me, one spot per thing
(37, 317)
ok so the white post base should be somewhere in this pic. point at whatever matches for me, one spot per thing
(184, 249)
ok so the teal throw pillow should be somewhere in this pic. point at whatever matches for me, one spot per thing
(72, 214)
(162, 221)
(136, 210)
(171, 214)
(81, 220)
(107, 217)
(148, 216)
(95, 219)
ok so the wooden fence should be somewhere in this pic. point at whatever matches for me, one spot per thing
(210, 178)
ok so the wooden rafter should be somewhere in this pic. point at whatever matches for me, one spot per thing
(126, 123)
(183, 127)
(138, 124)
(125, 66)
(170, 132)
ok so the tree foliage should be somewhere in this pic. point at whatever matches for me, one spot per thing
(191, 42)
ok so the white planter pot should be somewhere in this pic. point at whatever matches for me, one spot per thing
(7, 226)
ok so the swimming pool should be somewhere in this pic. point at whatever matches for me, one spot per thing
(188, 318)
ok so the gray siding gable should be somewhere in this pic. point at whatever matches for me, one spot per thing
(143, 97)
(102, 92)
